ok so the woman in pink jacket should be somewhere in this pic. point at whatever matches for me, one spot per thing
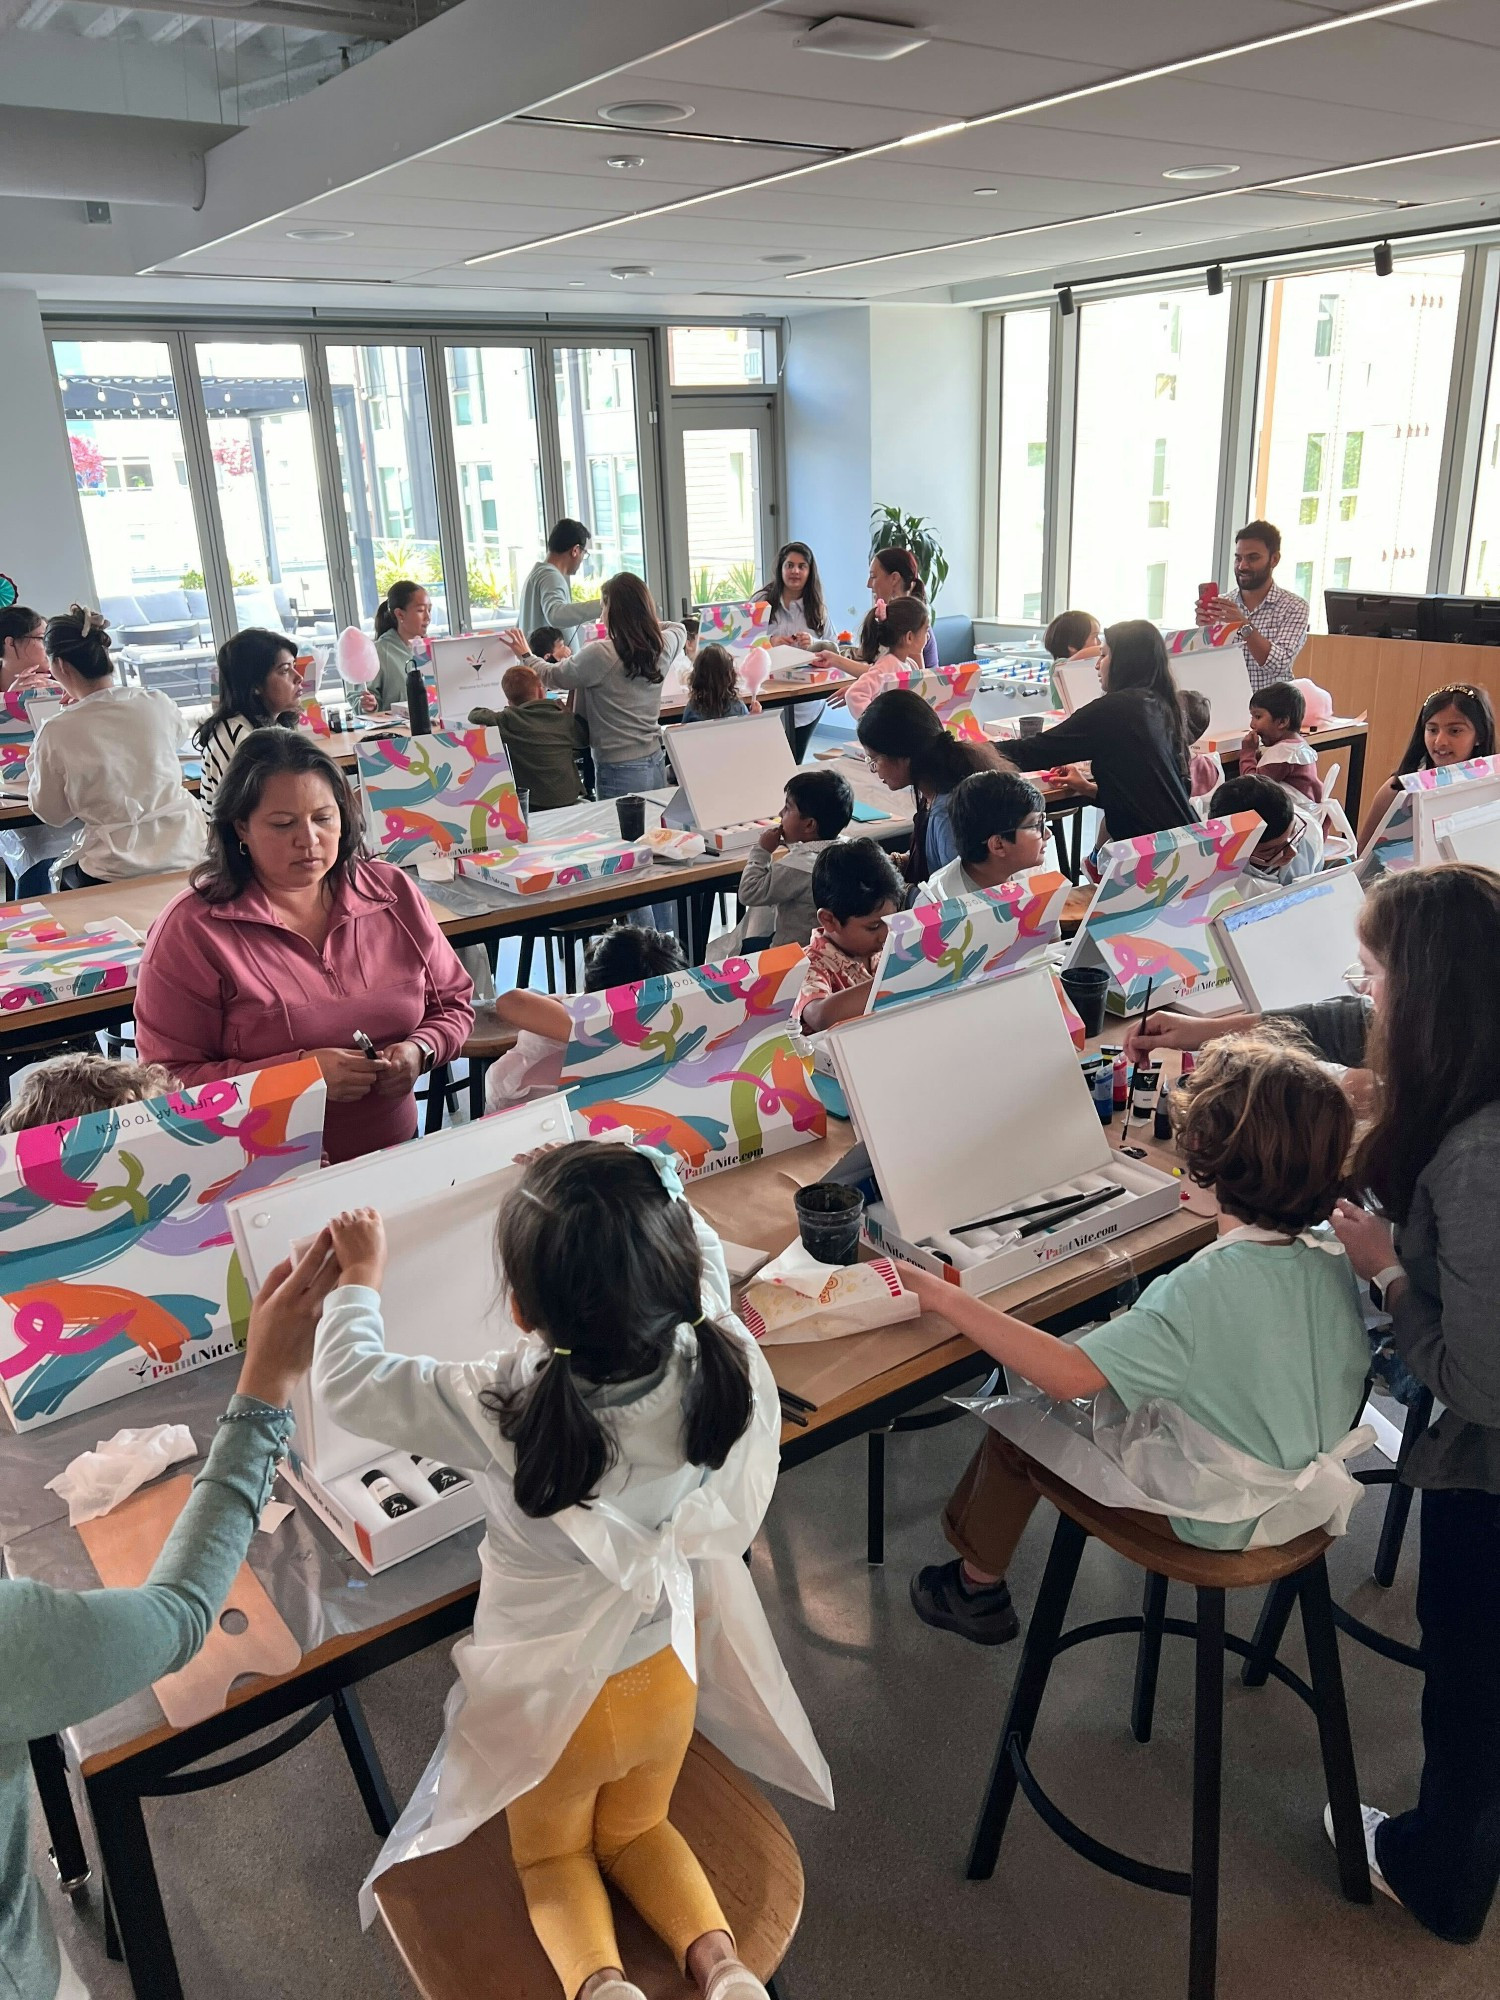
(290, 944)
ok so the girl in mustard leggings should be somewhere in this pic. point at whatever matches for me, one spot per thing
(627, 1448)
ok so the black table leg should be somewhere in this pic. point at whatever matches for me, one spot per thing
(364, 1760)
(130, 1876)
(50, 1770)
(1354, 784)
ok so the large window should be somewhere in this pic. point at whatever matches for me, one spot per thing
(596, 418)
(1150, 397)
(1021, 515)
(389, 484)
(1482, 571)
(1349, 428)
(129, 460)
(498, 455)
(266, 478)
(721, 357)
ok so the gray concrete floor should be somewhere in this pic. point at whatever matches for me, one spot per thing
(260, 1877)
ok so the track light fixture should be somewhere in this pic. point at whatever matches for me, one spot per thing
(1215, 280)
(1065, 303)
(1385, 260)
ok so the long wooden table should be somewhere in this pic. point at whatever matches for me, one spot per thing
(131, 1752)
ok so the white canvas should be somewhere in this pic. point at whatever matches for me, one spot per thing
(1222, 677)
(1429, 808)
(1291, 948)
(732, 771)
(954, 1132)
(468, 668)
(1077, 683)
(440, 1200)
(1472, 835)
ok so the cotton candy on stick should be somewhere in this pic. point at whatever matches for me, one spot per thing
(356, 657)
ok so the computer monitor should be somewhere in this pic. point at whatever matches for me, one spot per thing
(1461, 621)
(1362, 614)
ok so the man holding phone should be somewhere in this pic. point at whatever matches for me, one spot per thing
(1274, 621)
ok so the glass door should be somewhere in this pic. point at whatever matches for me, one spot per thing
(387, 474)
(496, 444)
(724, 460)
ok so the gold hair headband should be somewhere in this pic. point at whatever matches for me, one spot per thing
(1459, 687)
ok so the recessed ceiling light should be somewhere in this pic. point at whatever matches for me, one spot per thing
(1215, 171)
(320, 235)
(576, 284)
(645, 111)
(631, 271)
(785, 257)
(624, 163)
(985, 190)
(870, 41)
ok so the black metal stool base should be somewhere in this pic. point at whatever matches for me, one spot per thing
(1046, 1640)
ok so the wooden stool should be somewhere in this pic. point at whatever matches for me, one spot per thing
(459, 1919)
(1139, 1538)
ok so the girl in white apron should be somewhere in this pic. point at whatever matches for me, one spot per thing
(627, 1448)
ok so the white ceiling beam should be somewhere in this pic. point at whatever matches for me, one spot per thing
(468, 70)
(104, 23)
(38, 13)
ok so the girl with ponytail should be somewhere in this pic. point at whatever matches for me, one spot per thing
(625, 1446)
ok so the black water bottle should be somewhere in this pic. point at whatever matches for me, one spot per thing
(417, 711)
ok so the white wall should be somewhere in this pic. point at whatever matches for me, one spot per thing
(826, 391)
(41, 531)
(883, 403)
(926, 382)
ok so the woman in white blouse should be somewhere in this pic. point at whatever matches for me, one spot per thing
(799, 617)
(110, 760)
(258, 686)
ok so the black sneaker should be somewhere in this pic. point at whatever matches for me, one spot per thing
(981, 1612)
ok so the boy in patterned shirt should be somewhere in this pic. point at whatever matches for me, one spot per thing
(855, 887)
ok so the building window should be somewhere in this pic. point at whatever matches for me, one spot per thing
(128, 475)
(1348, 506)
(1031, 604)
(1156, 589)
(1158, 507)
(1354, 453)
(1307, 510)
(1312, 461)
(1325, 330)
(1304, 575)
(1036, 456)
(1341, 568)
(1166, 388)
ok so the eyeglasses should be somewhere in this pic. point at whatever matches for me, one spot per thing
(1359, 979)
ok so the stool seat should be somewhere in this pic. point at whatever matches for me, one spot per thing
(489, 1037)
(1147, 1541)
(459, 1918)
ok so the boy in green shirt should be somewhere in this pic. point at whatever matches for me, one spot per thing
(1259, 1337)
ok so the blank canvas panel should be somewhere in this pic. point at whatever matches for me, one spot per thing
(955, 1130)
(1444, 802)
(1289, 949)
(732, 771)
(1471, 836)
(1077, 683)
(1222, 677)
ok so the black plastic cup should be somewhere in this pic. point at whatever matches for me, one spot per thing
(828, 1219)
(1032, 725)
(1086, 986)
(631, 812)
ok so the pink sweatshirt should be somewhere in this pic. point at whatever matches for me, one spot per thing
(225, 987)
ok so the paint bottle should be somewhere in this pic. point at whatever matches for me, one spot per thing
(441, 1478)
(1121, 1073)
(1104, 1092)
(1147, 1087)
(387, 1495)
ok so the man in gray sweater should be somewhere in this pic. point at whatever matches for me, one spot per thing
(546, 595)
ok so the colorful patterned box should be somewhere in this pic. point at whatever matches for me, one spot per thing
(1149, 920)
(1204, 638)
(733, 624)
(439, 794)
(117, 1267)
(1442, 790)
(701, 1063)
(938, 945)
(529, 871)
(43, 963)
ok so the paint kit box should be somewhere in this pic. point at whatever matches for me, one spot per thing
(988, 1171)
(735, 839)
(441, 1298)
(559, 864)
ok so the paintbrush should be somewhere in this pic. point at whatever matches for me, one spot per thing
(1076, 1207)
(1135, 1067)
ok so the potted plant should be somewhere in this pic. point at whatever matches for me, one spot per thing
(891, 529)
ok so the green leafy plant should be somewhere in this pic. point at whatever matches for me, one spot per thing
(401, 556)
(488, 586)
(735, 585)
(246, 579)
(891, 529)
(191, 579)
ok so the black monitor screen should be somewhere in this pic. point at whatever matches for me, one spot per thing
(1374, 614)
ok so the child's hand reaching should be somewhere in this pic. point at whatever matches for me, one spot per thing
(359, 1245)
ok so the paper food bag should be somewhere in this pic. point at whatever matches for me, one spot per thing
(797, 1299)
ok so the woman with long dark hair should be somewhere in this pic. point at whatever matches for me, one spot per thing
(893, 573)
(1453, 724)
(1133, 736)
(258, 686)
(907, 745)
(799, 617)
(401, 621)
(290, 943)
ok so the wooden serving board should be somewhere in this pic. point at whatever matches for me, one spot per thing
(123, 1546)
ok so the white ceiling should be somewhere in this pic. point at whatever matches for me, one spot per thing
(1417, 81)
